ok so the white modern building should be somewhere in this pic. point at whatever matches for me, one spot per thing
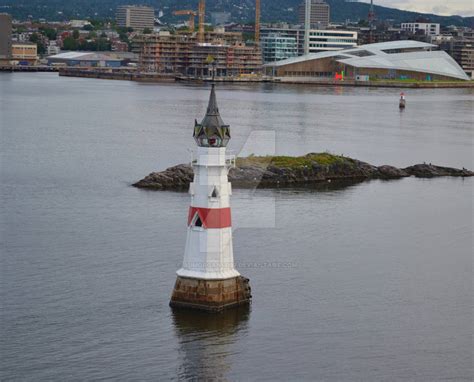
(53, 48)
(427, 28)
(329, 39)
(320, 39)
(394, 60)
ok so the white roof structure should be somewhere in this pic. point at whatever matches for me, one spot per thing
(86, 56)
(394, 55)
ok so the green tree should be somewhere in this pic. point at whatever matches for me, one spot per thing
(103, 44)
(34, 37)
(41, 49)
(48, 32)
(70, 43)
(147, 31)
(75, 34)
(123, 37)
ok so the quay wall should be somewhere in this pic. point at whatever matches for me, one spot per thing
(131, 74)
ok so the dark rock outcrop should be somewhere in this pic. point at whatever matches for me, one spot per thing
(311, 169)
(431, 171)
(173, 178)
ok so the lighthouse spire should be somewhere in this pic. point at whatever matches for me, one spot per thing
(212, 131)
(212, 106)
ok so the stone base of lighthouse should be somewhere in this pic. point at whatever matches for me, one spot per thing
(210, 295)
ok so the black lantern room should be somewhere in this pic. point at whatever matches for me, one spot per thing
(212, 132)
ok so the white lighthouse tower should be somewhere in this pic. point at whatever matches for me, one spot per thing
(208, 279)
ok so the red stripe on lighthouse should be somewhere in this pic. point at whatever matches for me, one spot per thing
(211, 217)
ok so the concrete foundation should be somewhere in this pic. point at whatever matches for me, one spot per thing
(210, 295)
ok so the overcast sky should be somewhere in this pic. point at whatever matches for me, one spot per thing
(440, 7)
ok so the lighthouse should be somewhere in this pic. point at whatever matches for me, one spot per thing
(208, 279)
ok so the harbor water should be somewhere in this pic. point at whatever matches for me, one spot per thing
(368, 282)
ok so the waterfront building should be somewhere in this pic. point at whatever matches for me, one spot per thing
(163, 52)
(319, 15)
(463, 53)
(137, 17)
(85, 59)
(5, 38)
(223, 54)
(223, 60)
(276, 47)
(428, 29)
(320, 39)
(396, 60)
(24, 53)
(208, 279)
(460, 45)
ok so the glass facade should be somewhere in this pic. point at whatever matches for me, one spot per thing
(276, 47)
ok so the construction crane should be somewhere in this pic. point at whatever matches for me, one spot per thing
(201, 13)
(257, 23)
(187, 12)
(371, 19)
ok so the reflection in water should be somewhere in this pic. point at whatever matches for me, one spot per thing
(323, 186)
(206, 339)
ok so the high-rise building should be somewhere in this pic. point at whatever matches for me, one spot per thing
(5, 37)
(137, 17)
(319, 15)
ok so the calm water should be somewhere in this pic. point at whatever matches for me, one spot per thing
(370, 282)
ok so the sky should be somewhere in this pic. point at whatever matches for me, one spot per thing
(440, 7)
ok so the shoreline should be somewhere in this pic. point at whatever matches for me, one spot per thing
(130, 74)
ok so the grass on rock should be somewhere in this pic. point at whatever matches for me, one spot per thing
(323, 159)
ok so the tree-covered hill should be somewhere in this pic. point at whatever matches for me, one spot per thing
(240, 10)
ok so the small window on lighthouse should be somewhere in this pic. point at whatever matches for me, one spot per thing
(197, 222)
(214, 193)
